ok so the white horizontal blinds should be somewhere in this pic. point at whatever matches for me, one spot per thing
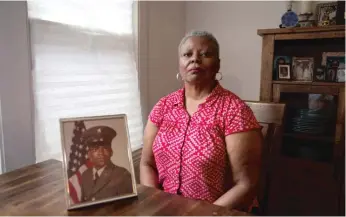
(82, 70)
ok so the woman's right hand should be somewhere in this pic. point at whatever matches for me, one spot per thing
(148, 170)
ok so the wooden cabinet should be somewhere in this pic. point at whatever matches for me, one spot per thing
(308, 172)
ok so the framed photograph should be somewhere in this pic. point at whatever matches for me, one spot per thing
(340, 75)
(280, 60)
(326, 13)
(331, 74)
(97, 160)
(320, 74)
(302, 68)
(284, 72)
(332, 55)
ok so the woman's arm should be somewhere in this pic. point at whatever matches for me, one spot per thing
(148, 171)
(244, 151)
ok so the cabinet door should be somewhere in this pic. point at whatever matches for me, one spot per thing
(304, 179)
(303, 188)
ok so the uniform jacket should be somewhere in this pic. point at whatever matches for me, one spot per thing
(114, 181)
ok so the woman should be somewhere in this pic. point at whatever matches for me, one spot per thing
(202, 141)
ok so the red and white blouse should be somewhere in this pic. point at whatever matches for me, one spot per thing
(190, 152)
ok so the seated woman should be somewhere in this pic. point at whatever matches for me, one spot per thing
(202, 141)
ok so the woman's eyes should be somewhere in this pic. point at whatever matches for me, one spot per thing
(203, 54)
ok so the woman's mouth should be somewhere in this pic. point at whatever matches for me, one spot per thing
(195, 70)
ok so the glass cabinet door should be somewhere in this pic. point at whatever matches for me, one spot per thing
(311, 127)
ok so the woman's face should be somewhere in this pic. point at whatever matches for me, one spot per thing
(198, 60)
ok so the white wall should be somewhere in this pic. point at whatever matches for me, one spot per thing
(166, 27)
(235, 26)
(15, 86)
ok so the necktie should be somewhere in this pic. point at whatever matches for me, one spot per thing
(96, 177)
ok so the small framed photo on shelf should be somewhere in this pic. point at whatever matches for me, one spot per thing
(97, 160)
(320, 74)
(284, 72)
(326, 13)
(280, 60)
(332, 55)
(302, 68)
(340, 75)
(334, 63)
(331, 74)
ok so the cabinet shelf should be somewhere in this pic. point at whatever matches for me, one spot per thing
(313, 83)
(306, 136)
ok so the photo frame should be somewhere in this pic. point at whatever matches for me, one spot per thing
(280, 60)
(326, 55)
(97, 160)
(326, 13)
(320, 75)
(284, 72)
(331, 74)
(340, 75)
(302, 68)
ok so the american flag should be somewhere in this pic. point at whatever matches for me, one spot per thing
(78, 162)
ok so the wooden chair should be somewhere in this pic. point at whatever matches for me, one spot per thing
(270, 116)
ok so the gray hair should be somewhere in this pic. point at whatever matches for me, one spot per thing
(204, 34)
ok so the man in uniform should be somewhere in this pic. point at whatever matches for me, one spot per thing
(103, 180)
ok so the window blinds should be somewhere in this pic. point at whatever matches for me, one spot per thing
(83, 65)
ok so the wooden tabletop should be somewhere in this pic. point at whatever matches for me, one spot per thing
(39, 190)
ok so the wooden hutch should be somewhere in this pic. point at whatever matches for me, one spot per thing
(307, 175)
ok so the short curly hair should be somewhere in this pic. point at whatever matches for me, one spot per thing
(204, 34)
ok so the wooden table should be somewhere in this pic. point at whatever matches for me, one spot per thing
(39, 190)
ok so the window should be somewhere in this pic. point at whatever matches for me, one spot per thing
(84, 64)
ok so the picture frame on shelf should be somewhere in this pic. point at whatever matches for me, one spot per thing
(284, 72)
(280, 60)
(326, 13)
(97, 160)
(331, 74)
(302, 68)
(340, 75)
(319, 74)
(325, 55)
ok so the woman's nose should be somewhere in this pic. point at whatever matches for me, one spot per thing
(195, 58)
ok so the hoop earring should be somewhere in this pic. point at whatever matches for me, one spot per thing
(218, 79)
(178, 77)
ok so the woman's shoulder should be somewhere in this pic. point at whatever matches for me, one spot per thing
(171, 98)
(231, 99)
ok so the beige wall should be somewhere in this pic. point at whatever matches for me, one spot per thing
(234, 23)
(235, 26)
(17, 139)
(162, 25)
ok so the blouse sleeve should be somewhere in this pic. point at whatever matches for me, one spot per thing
(156, 114)
(240, 119)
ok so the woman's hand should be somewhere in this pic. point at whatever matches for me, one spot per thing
(148, 171)
(244, 151)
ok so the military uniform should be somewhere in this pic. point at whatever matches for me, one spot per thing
(113, 180)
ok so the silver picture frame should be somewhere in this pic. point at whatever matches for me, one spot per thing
(97, 160)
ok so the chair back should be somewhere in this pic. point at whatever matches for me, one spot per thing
(271, 117)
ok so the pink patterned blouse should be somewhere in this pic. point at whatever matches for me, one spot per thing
(190, 152)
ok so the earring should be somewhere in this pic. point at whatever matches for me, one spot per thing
(178, 77)
(220, 77)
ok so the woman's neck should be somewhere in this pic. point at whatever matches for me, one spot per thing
(198, 91)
